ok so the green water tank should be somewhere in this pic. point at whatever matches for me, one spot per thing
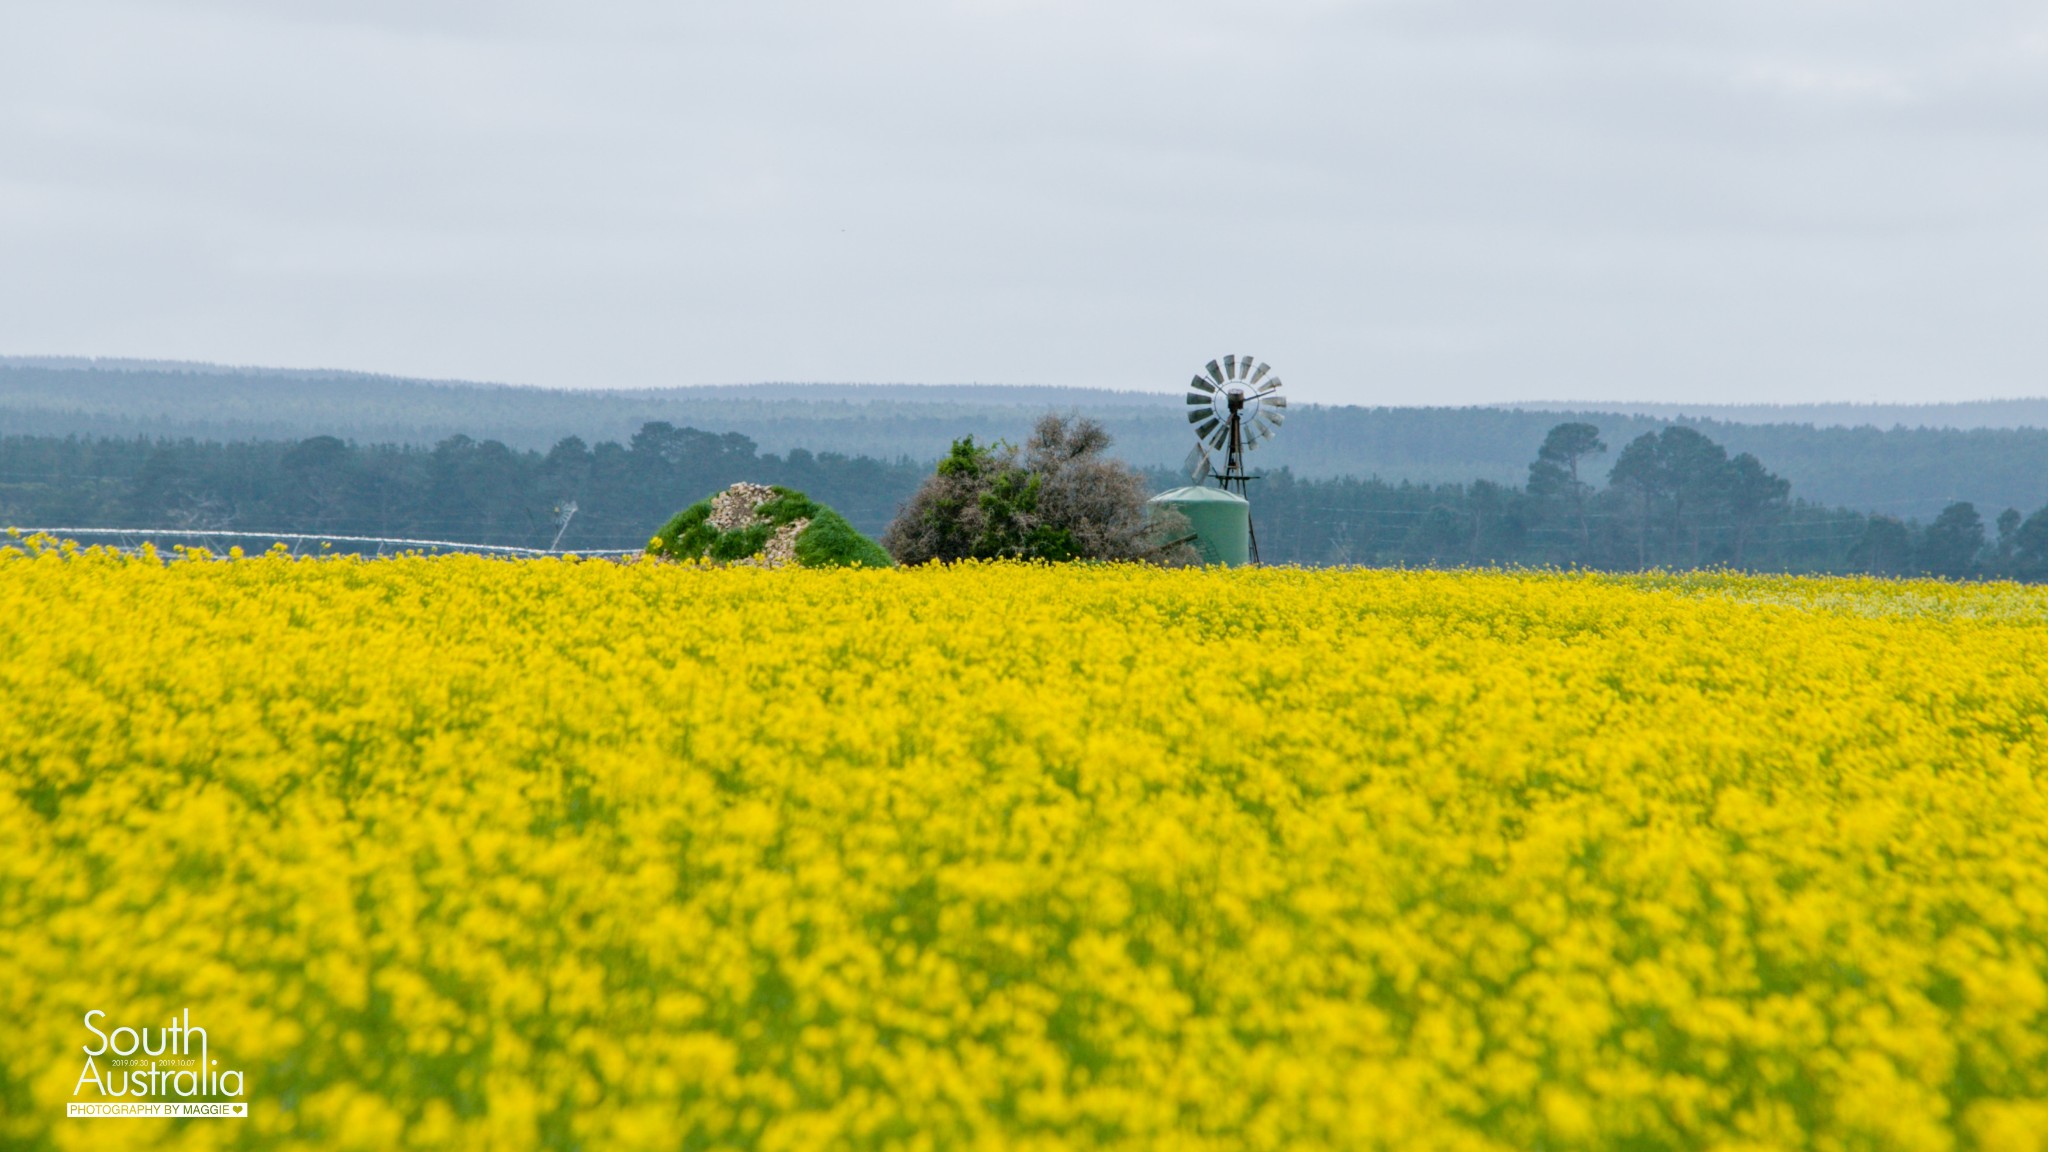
(1221, 522)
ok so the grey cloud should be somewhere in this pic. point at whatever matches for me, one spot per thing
(1397, 202)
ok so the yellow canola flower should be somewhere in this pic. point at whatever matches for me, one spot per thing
(464, 853)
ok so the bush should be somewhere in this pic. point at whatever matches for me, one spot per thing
(1058, 499)
(780, 525)
(830, 542)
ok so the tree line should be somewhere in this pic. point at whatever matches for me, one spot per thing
(607, 496)
(1672, 498)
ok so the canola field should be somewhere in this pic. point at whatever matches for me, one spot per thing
(474, 854)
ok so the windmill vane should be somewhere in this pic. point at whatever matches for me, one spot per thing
(1234, 405)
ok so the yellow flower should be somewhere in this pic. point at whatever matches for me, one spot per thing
(455, 852)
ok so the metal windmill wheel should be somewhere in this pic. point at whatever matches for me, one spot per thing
(1234, 405)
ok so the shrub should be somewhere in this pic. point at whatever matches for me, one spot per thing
(1059, 498)
(830, 542)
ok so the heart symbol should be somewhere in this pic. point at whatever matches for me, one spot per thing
(238, 1109)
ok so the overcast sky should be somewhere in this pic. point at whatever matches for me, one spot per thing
(1393, 202)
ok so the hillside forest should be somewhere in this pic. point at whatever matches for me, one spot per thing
(1674, 498)
(1908, 462)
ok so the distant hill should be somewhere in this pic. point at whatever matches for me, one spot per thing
(2021, 413)
(856, 393)
(205, 402)
(1910, 471)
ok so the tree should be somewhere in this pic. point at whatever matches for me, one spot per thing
(2030, 547)
(1697, 469)
(679, 447)
(1677, 479)
(1885, 548)
(1438, 538)
(2008, 525)
(1639, 476)
(1950, 545)
(316, 489)
(1554, 475)
(1753, 495)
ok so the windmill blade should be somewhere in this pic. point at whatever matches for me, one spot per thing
(1237, 374)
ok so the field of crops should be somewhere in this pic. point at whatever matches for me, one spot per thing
(459, 853)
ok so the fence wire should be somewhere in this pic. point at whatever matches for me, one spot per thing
(399, 543)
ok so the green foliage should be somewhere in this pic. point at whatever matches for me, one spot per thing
(1010, 530)
(789, 505)
(986, 478)
(686, 533)
(1007, 528)
(730, 546)
(830, 542)
(1061, 498)
(965, 459)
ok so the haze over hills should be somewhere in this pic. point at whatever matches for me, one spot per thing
(2027, 412)
(769, 390)
(200, 401)
(1994, 453)
(2021, 412)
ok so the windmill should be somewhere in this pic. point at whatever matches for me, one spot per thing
(1235, 405)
